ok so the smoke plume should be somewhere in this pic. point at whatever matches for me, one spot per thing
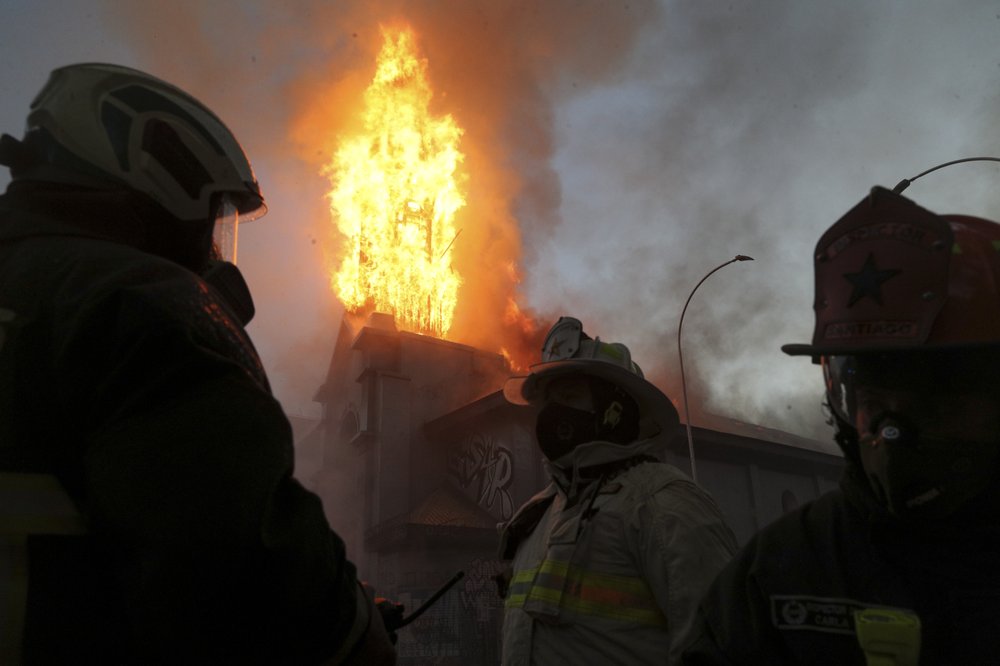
(615, 153)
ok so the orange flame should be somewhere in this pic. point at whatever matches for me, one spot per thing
(523, 335)
(395, 195)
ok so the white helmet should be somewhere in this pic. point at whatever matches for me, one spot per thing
(117, 123)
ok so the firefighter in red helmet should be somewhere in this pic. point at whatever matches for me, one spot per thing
(899, 565)
(148, 513)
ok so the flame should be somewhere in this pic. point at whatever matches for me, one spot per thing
(395, 195)
(523, 335)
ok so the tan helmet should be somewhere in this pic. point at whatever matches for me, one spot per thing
(108, 122)
(568, 350)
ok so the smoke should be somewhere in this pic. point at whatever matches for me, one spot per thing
(615, 152)
(749, 129)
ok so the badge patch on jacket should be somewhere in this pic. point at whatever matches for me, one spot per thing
(826, 614)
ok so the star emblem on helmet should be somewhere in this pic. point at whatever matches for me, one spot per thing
(868, 281)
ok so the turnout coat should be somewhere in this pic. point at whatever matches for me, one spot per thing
(791, 595)
(148, 512)
(609, 561)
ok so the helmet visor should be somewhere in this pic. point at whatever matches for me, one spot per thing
(225, 233)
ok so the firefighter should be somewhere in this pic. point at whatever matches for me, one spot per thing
(610, 559)
(900, 564)
(148, 511)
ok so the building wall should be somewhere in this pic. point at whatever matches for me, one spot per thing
(753, 482)
(495, 463)
(731, 486)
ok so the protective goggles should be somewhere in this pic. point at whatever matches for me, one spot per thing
(927, 373)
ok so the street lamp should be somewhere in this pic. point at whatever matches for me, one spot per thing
(680, 356)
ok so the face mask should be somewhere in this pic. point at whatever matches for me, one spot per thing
(922, 478)
(927, 424)
(560, 428)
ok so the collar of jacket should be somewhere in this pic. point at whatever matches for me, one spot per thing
(566, 470)
(117, 215)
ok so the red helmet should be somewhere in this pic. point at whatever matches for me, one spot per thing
(892, 276)
(898, 291)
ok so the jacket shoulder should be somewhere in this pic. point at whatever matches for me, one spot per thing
(816, 525)
(822, 547)
(109, 293)
(654, 477)
(797, 578)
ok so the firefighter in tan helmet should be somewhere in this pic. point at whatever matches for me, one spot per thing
(148, 513)
(608, 561)
(901, 565)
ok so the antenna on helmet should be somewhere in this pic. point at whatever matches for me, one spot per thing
(905, 183)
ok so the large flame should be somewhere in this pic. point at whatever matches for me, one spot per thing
(395, 195)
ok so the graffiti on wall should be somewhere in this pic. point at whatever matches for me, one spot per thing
(479, 595)
(485, 468)
(463, 627)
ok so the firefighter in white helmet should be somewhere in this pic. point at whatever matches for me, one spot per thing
(608, 561)
(898, 566)
(148, 513)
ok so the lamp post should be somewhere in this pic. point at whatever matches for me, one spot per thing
(680, 356)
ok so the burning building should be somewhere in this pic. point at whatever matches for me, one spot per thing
(423, 449)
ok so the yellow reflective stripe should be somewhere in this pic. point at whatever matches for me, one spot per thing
(517, 589)
(626, 598)
(630, 584)
(29, 504)
(515, 600)
(523, 576)
(36, 504)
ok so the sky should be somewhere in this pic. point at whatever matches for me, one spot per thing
(616, 152)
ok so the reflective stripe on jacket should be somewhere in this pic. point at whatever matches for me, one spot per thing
(583, 594)
(29, 504)
(612, 570)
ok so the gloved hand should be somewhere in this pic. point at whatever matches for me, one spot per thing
(375, 648)
(392, 616)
